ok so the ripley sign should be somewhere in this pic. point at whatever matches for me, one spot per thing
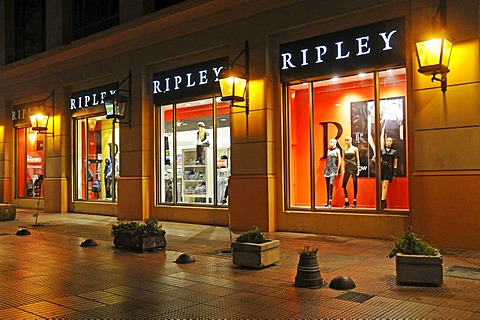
(187, 82)
(21, 113)
(91, 97)
(380, 44)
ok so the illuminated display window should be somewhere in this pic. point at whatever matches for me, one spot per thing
(339, 139)
(30, 163)
(97, 159)
(194, 152)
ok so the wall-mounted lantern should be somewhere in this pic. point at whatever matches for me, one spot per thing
(434, 54)
(39, 119)
(234, 84)
(116, 104)
(433, 59)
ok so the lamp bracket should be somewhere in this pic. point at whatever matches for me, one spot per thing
(45, 133)
(247, 109)
(244, 51)
(442, 80)
(129, 103)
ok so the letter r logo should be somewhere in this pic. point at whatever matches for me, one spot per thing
(327, 137)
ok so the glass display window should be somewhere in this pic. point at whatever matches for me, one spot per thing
(194, 158)
(30, 163)
(97, 159)
(339, 138)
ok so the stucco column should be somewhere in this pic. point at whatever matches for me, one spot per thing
(57, 151)
(134, 185)
(251, 187)
(6, 141)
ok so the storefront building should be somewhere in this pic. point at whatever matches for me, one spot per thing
(342, 134)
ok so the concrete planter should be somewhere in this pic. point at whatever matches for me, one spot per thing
(308, 272)
(256, 255)
(129, 242)
(7, 211)
(419, 270)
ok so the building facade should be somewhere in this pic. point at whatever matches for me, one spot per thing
(342, 134)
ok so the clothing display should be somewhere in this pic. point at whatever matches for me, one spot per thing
(388, 159)
(330, 172)
(351, 162)
(351, 169)
(108, 177)
(222, 185)
(331, 167)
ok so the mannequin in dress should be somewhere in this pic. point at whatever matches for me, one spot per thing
(389, 160)
(332, 169)
(351, 167)
(108, 177)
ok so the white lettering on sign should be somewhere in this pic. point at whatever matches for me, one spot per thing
(188, 80)
(21, 114)
(339, 51)
(321, 50)
(33, 159)
(304, 57)
(89, 100)
(362, 48)
(387, 39)
(286, 58)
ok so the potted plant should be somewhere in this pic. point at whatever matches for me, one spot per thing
(308, 270)
(252, 250)
(417, 262)
(139, 236)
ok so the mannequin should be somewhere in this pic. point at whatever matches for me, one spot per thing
(389, 160)
(351, 167)
(202, 136)
(332, 168)
(108, 177)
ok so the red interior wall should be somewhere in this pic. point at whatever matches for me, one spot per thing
(333, 104)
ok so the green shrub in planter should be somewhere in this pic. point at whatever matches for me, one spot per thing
(416, 261)
(139, 236)
(253, 250)
(252, 236)
(411, 244)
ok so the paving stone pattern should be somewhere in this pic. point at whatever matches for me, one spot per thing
(48, 275)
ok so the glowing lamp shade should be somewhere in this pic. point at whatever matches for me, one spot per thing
(233, 88)
(115, 106)
(39, 120)
(434, 56)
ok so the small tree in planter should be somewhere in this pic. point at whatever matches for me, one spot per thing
(139, 236)
(417, 262)
(252, 250)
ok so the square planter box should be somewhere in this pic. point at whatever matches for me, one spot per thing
(7, 211)
(419, 270)
(140, 244)
(256, 255)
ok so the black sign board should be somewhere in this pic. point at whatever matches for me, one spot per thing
(91, 97)
(187, 82)
(380, 44)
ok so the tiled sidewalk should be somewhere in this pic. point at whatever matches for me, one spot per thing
(49, 275)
